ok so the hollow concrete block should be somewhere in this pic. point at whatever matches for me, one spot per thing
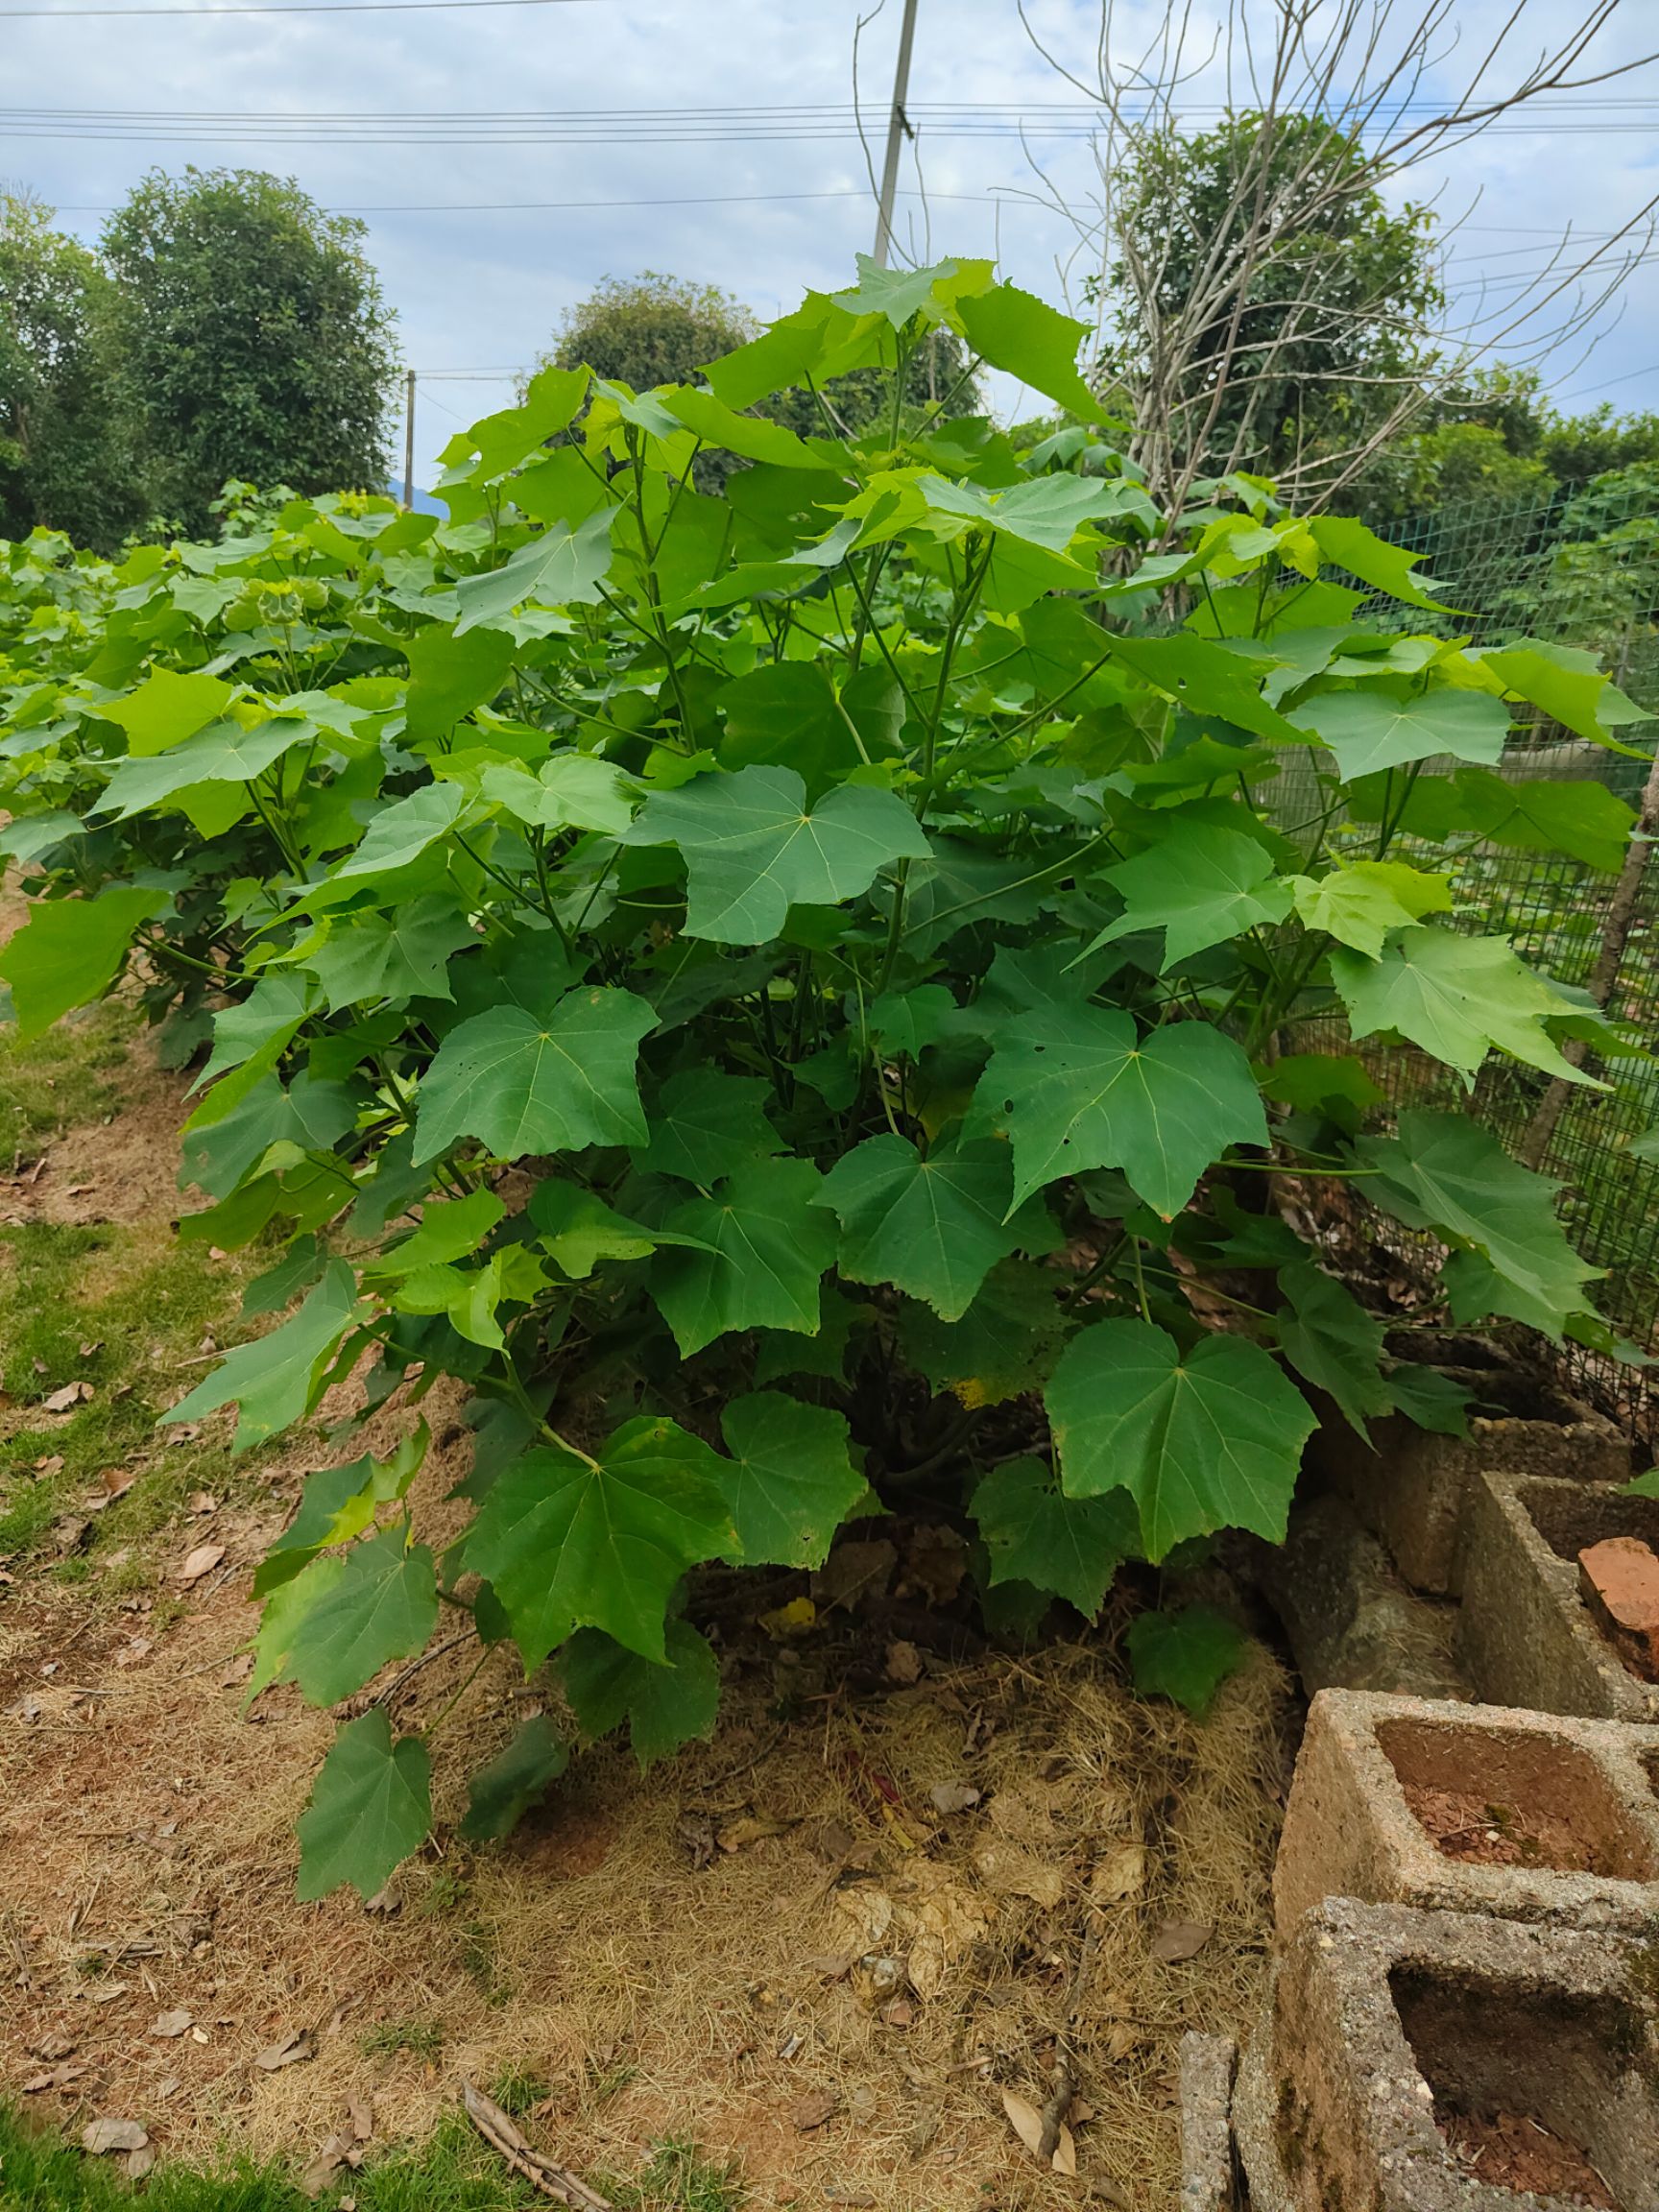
(1391, 2030)
(1525, 1634)
(1412, 1489)
(1574, 1798)
(1206, 2075)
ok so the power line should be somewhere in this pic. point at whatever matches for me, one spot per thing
(286, 8)
(550, 206)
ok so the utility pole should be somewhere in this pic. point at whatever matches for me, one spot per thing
(409, 439)
(898, 131)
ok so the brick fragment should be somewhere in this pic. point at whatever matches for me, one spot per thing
(1618, 1580)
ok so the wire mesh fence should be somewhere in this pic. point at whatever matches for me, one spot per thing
(1581, 571)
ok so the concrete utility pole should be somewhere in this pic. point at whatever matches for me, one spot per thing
(409, 439)
(898, 131)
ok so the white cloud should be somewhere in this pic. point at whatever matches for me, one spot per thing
(482, 289)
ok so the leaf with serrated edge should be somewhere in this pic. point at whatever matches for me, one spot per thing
(1079, 1088)
(1208, 1439)
(791, 1482)
(664, 1706)
(568, 1542)
(1364, 903)
(371, 1808)
(1035, 1534)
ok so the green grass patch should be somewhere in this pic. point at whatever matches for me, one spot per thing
(120, 1309)
(60, 1080)
(455, 2172)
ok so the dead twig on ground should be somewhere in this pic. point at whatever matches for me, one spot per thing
(502, 2134)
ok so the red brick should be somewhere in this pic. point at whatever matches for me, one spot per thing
(1619, 1578)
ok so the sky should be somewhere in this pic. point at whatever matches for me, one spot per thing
(715, 139)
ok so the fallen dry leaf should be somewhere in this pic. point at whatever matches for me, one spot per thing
(954, 1796)
(290, 2052)
(170, 2024)
(339, 2151)
(1014, 1873)
(140, 2163)
(202, 1561)
(903, 1664)
(59, 2077)
(100, 2137)
(64, 1400)
(362, 2116)
(935, 1561)
(117, 1480)
(855, 1571)
(1120, 1874)
(1178, 1939)
(750, 1828)
(810, 2112)
(1026, 2122)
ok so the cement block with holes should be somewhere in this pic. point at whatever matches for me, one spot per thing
(1412, 1489)
(1206, 2067)
(1392, 2030)
(1575, 1797)
(1525, 1633)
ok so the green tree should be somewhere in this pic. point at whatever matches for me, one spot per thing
(655, 329)
(1265, 308)
(256, 336)
(67, 450)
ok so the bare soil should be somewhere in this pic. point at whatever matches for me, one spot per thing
(1466, 1826)
(1507, 2152)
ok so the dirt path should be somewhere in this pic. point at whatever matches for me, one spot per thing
(777, 1944)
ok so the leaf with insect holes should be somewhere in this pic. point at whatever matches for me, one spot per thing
(371, 1807)
(569, 1542)
(556, 1080)
(1205, 1439)
(933, 1226)
(1034, 1534)
(275, 1380)
(664, 1706)
(791, 1482)
(1078, 1087)
(382, 1606)
(500, 1794)
(1185, 1655)
(753, 849)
